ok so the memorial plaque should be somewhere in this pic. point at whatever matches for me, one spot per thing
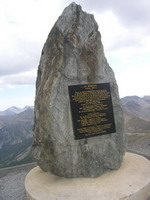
(92, 110)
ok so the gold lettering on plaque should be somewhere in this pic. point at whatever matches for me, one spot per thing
(90, 103)
(92, 114)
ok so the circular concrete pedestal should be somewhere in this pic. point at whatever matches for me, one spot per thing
(130, 182)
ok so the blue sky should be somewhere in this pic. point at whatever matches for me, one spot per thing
(25, 25)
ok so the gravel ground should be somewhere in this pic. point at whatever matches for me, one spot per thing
(12, 179)
(12, 182)
(139, 143)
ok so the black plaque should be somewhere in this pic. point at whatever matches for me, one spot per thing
(92, 110)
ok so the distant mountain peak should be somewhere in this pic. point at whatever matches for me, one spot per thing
(15, 110)
(26, 107)
(129, 98)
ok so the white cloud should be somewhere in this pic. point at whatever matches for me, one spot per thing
(129, 13)
(124, 26)
(19, 102)
(1, 89)
(134, 81)
(17, 95)
(25, 78)
(24, 29)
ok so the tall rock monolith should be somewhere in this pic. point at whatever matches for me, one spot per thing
(73, 55)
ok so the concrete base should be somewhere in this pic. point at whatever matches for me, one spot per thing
(130, 182)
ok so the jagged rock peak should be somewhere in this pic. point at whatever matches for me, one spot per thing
(75, 21)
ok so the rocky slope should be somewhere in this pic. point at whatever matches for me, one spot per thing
(137, 121)
(137, 114)
(16, 138)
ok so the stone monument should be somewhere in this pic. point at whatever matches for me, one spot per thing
(79, 126)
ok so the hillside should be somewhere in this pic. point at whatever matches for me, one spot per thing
(137, 122)
(16, 131)
(16, 138)
(137, 114)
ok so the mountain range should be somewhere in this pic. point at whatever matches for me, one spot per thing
(16, 126)
(16, 137)
(14, 110)
(136, 113)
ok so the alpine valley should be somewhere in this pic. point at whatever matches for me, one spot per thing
(16, 133)
(16, 136)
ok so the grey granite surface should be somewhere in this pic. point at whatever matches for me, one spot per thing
(12, 182)
(73, 55)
